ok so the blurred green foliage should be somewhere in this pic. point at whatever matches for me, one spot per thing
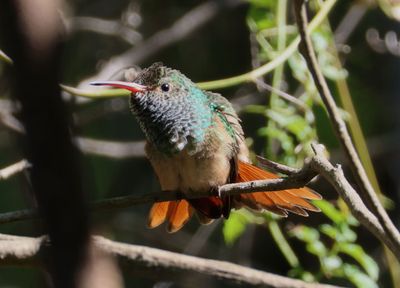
(285, 131)
(288, 134)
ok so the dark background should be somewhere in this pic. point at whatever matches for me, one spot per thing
(217, 50)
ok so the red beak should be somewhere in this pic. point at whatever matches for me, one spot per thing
(133, 87)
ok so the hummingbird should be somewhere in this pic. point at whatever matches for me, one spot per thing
(195, 143)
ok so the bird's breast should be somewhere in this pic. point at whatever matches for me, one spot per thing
(190, 173)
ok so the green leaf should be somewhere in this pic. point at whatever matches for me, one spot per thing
(330, 211)
(305, 233)
(357, 277)
(317, 248)
(331, 263)
(302, 274)
(330, 231)
(280, 135)
(256, 109)
(261, 15)
(357, 252)
(343, 233)
(234, 227)
(348, 234)
(300, 127)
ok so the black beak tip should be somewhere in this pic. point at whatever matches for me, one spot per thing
(95, 83)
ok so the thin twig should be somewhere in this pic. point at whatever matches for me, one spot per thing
(4, 57)
(111, 149)
(275, 166)
(24, 250)
(7, 108)
(341, 129)
(121, 61)
(184, 26)
(349, 22)
(104, 148)
(95, 93)
(278, 60)
(106, 27)
(13, 169)
(296, 101)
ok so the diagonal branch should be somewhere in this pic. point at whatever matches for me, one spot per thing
(26, 251)
(184, 26)
(135, 55)
(335, 176)
(4, 57)
(340, 127)
(13, 169)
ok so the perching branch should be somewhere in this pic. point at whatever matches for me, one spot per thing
(296, 180)
(24, 251)
(13, 169)
(341, 130)
(318, 165)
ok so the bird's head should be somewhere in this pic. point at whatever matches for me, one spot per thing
(157, 81)
(170, 108)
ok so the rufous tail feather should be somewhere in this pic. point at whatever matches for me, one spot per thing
(177, 213)
(279, 202)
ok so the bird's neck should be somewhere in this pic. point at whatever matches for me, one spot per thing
(173, 127)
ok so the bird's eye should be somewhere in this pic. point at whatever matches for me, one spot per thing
(165, 87)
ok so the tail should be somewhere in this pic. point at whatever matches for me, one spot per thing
(176, 212)
(280, 202)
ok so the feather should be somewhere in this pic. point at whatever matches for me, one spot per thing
(158, 214)
(179, 212)
(211, 207)
(279, 202)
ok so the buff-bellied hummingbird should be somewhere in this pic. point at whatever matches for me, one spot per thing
(195, 143)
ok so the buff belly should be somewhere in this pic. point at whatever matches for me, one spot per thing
(189, 173)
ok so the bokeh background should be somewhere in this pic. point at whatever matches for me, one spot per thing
(209, 40)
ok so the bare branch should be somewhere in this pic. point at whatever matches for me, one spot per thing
(4, 57)
(105, 148)
(20, 215)
(7, 118)
(297, 180)
(292, 99)
(13, 169)
(106, 27)
(112, 149)
(335, 176)
(184, 26)
(275, 167)
(24, 250)
(340, 128)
